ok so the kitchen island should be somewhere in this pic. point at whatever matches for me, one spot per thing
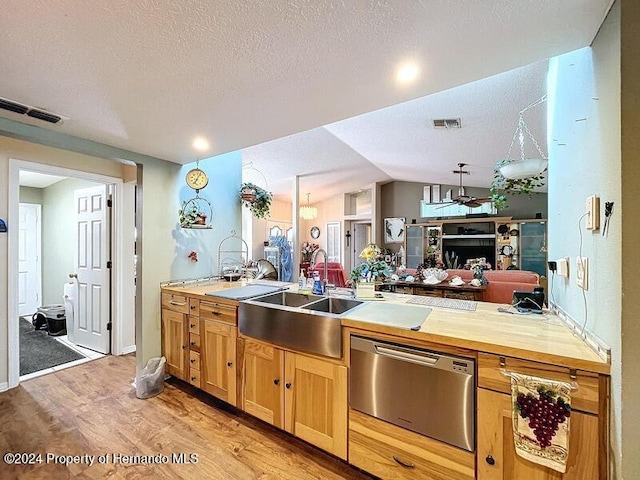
(306, 394)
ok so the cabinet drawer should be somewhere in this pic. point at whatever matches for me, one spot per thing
(194, 341)
(459, 295)
(194, 377)
(585, 398)
(194, 306)
(388, 451)
(175, 303)
(427, 292)
(218, 312)
(194, 360)
(194, 325)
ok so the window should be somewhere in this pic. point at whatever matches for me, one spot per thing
(333, 242)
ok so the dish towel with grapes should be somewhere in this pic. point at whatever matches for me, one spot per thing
(541, 411)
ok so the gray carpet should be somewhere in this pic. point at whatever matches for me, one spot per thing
(38, 350)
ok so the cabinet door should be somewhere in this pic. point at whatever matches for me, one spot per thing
(218, 359)
(316, 402)
(262, 372)
(174, 343)
(414, 246)
(498, 460)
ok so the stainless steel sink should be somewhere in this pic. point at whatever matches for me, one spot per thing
(306, 323)
(288, 299)
(333, 305)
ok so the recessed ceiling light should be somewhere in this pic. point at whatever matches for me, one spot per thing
(201, 144)
(407, 73)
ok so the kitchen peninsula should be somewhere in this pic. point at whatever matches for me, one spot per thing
(306, 394)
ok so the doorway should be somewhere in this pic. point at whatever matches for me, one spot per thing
(104, 315)
(361, 238)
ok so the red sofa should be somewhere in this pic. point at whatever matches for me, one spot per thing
(335, 273)
(502, 283)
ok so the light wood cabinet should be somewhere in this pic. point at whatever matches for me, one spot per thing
(498, 460)
(496, 455)
(388, 451)
(175, 334)
(218, 359)
(262, 377)
(316, 402)
(307, 396)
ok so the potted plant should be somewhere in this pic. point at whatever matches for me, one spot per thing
(256, 199)
(502, 186)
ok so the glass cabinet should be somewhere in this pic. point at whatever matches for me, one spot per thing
(533, 247)
(423, 245)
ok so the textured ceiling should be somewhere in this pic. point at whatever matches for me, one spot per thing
(149, 76)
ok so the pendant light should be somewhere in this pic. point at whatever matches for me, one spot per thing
(524, 167)
(307, 212)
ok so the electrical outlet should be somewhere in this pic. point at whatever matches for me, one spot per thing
(592, 208)
(582, 272)
(563, 267)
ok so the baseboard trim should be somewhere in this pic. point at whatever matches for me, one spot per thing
(4, 386)
(127, 350)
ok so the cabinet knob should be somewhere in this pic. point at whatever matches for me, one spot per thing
(403, 463)
(229, 364)
(193, 307)
(490, 460)
(192, 360)
(276, 381)
(193, 379)
(288, 384)
(192, 342)
(192, 325)
(184, 346)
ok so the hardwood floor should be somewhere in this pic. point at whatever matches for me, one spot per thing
(92, 409)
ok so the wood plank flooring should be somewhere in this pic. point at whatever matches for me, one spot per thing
(92, 409)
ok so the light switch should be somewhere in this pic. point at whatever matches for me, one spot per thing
(563, 267)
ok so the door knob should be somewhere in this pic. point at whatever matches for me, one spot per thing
(490, 460)
(73, 275)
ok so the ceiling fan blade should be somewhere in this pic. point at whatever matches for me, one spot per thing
(472, 204)
(446, 205)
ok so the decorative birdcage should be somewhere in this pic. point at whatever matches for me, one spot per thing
(196, 212)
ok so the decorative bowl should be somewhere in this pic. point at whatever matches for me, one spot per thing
(436, 273)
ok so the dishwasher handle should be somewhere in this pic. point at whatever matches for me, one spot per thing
(412, 356)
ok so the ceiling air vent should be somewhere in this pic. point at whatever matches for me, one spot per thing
(447, 123)
(13, 107)
(22, 109)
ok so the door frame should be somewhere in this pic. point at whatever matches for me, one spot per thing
(38, 208)
(123, 272)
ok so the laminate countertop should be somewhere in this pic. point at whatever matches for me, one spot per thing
(537, 337)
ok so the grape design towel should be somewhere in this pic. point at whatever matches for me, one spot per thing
(541, 412)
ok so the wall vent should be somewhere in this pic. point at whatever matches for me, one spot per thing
(22, 109)
(447, 123)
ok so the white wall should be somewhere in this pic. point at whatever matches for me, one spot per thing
(585, 159)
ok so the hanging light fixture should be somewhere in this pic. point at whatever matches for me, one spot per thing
(307, 212)
(524, 167)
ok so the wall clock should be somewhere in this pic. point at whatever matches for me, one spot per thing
(315, 232)
(196, 179)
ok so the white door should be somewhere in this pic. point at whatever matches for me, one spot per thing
(91, 305)
(29, 273)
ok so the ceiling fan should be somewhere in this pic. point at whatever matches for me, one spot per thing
(462, 199)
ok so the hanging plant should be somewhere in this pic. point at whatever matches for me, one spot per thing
(501, 186)
(256, 199)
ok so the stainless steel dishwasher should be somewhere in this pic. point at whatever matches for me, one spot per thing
(424, 391)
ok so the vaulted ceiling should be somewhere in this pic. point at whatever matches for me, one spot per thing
(150, 76)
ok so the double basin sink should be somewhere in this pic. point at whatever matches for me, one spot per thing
(308, 323)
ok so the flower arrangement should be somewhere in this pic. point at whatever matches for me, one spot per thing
(307, 250)
(372, 269)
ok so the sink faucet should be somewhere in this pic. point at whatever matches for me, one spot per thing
(325, 282)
